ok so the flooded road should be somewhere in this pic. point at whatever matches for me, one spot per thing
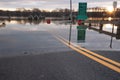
(22, 34)
(32, 50)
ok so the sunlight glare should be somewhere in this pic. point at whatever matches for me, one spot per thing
(109, 26)
(110, 9)
(109, 18)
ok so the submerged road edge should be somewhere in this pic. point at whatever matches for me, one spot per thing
(106, 62)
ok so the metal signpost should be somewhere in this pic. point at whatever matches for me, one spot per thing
(70, 21)
(82, 15)
(114, 7)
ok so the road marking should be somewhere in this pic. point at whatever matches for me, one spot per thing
(90, 52)
(99, 60)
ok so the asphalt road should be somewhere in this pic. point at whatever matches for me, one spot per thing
(48, 59)
(66, 65)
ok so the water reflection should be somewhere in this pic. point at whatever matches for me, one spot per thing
(118, 31)
(106, 29)
(63, 22)
(109, 18)
(81, 33)
(37, 22)
(95, 34)
(112, 30)
(2, 25)
(104, 18)
(111, 41)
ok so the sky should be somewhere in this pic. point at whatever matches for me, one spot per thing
(53, 4)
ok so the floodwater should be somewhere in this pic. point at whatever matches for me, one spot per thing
(20, 35)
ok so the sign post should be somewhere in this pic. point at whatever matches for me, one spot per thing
(70, 21)
(82, 15)
(114, 6)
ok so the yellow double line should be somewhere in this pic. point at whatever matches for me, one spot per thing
(96, 57)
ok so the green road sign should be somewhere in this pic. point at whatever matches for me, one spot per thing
(82, 11)
(81, 32)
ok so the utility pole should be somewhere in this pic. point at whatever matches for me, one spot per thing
(70, 21)
(71, 10)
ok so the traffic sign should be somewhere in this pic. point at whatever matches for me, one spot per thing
(82, 11)
(115, 4)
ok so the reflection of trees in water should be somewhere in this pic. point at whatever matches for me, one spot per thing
(5, 20)
(25, 21)
(63, 22)
(118, 31)
(31, 22)
(36, 22)
(112, 34)
(99, 28)
(2, 25)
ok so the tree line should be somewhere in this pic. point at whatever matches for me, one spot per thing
(55, 13)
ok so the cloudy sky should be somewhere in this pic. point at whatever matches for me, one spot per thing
(52, 4)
